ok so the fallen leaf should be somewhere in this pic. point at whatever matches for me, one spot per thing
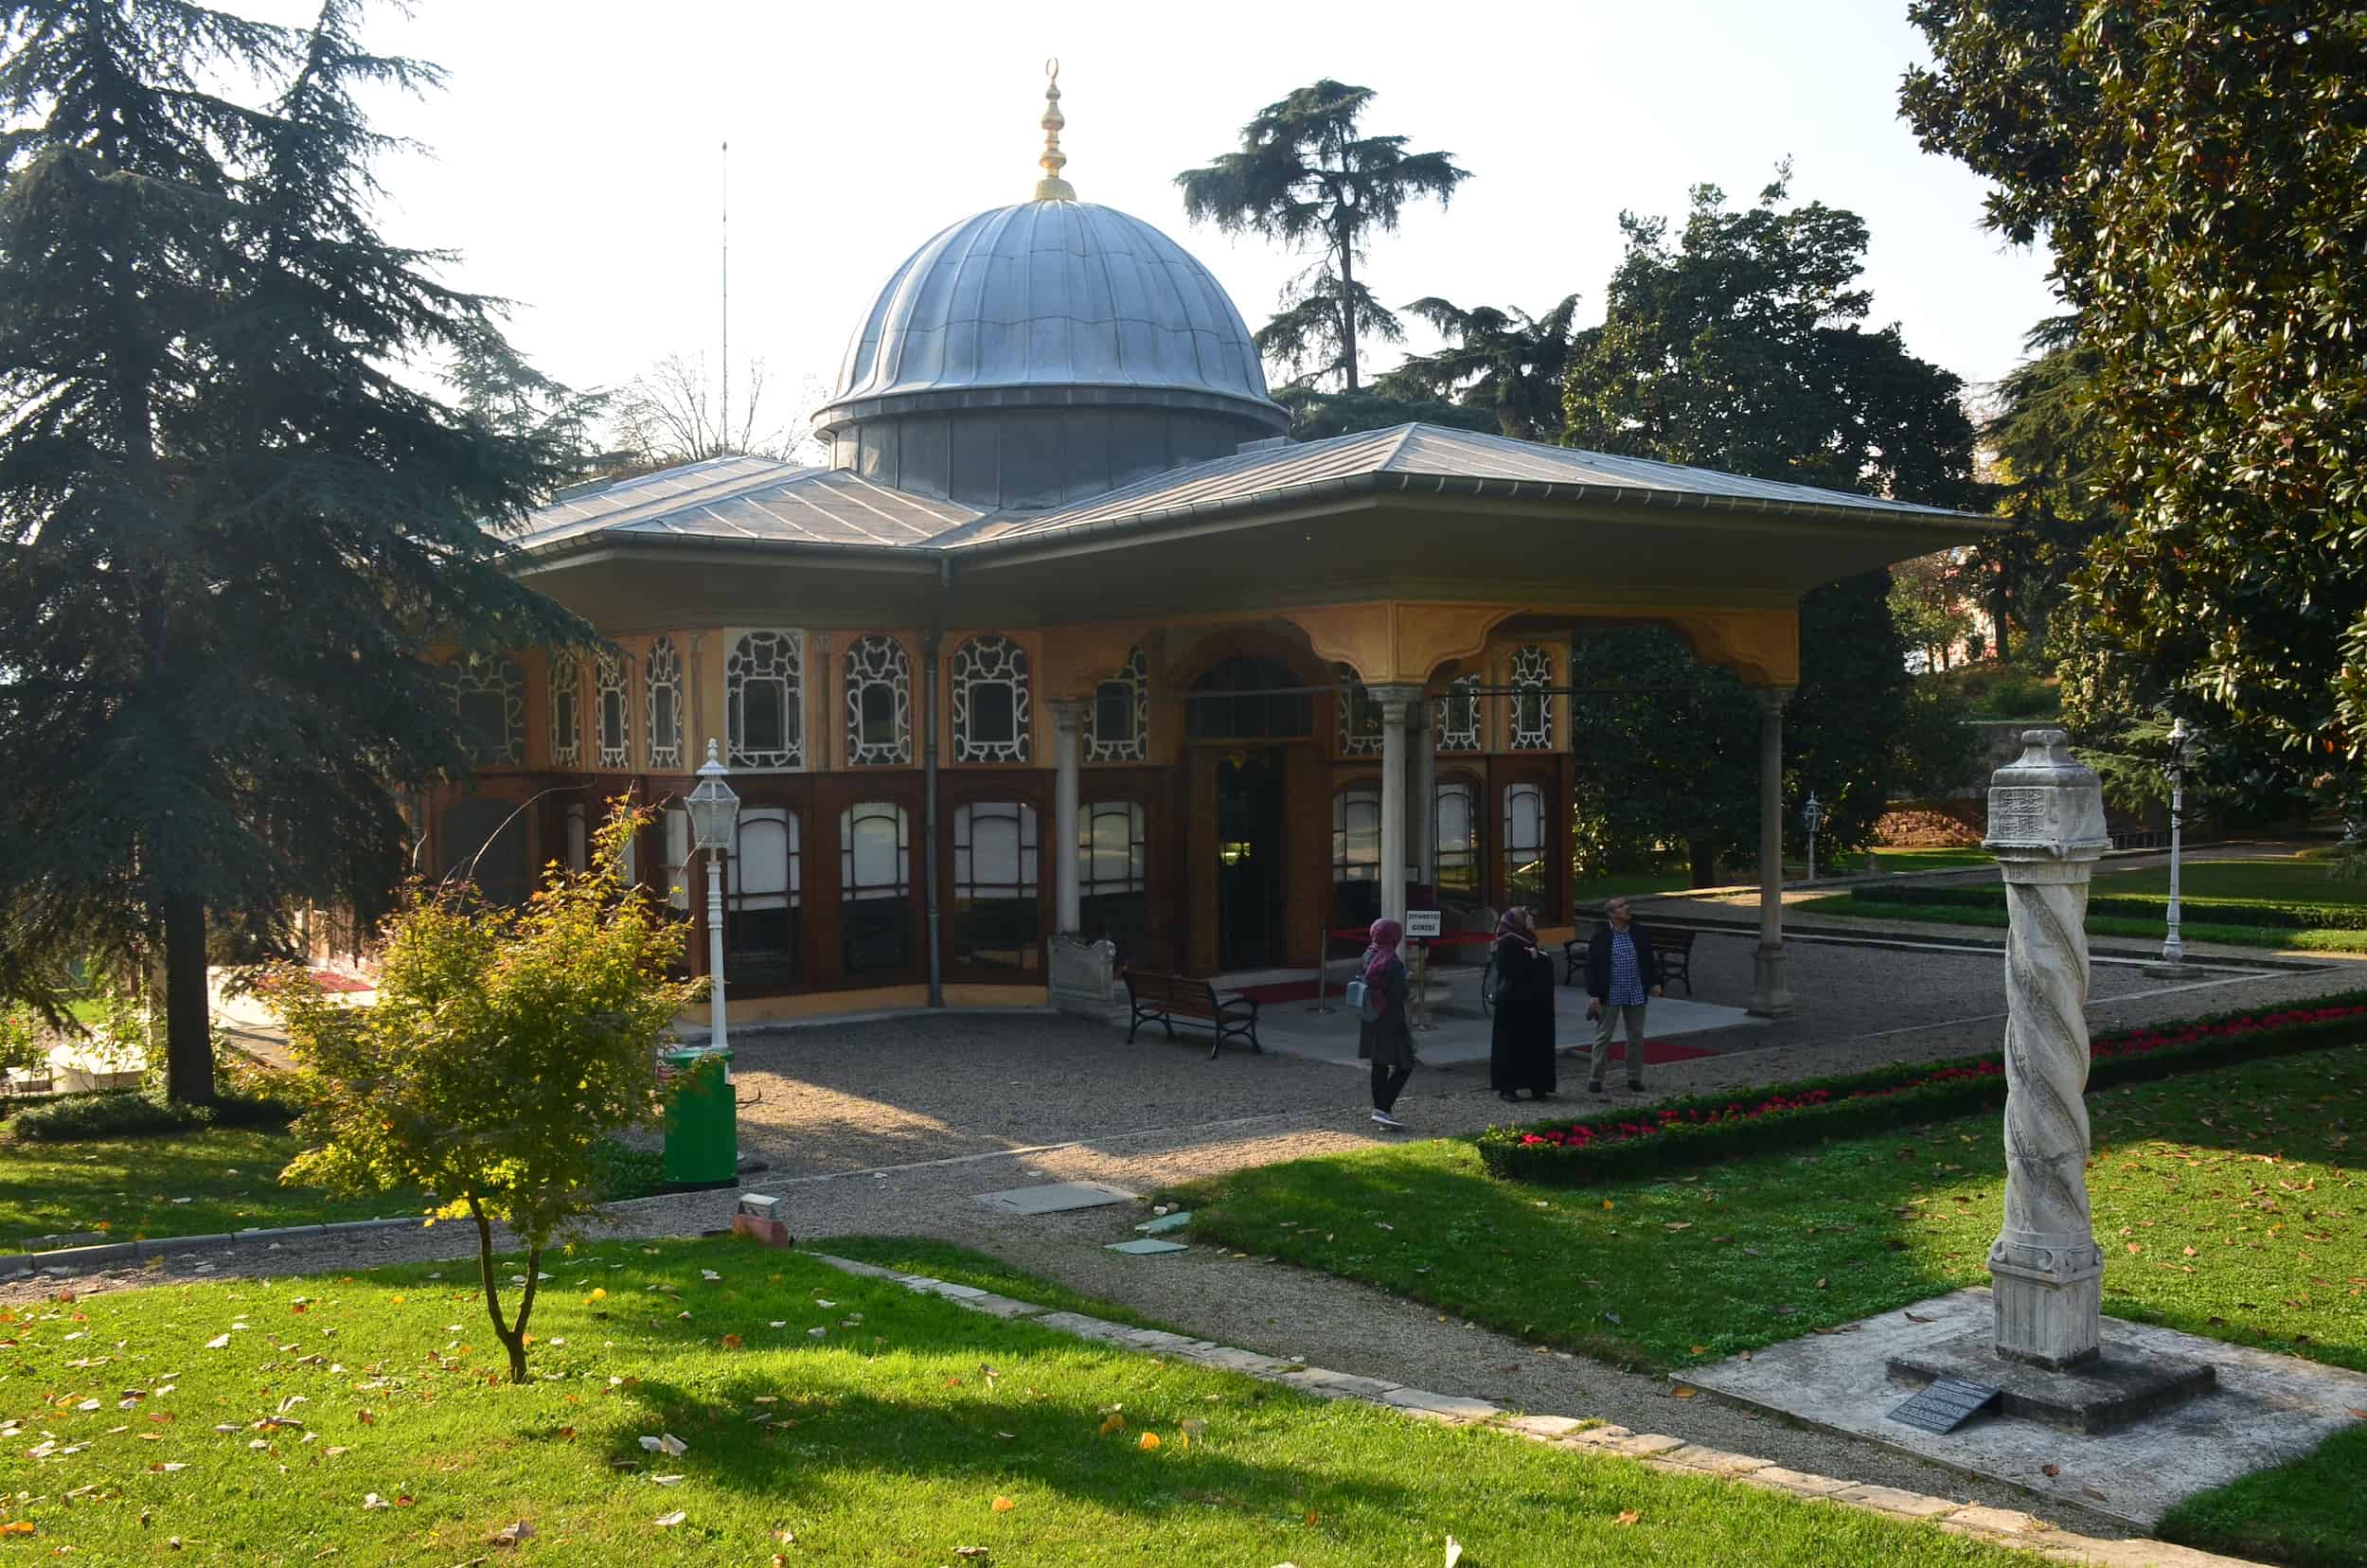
(1686, 1393)
(1677, 1226)
(1454, 1552)
(667, 1521)
(1004, 1505)
(1627, 1516)
(372, 1500)
(2049, 1469)
(1112, 1423)
(1150, 1440)
(1701, 1349)
(512, 1534)
(1913, 1318)
(2090, 1491)
(731, 1342)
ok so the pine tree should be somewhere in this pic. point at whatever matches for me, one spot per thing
(230, 530)
(1304, 174)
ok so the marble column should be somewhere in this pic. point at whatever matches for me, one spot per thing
(1395, 703)
(2046, 829)
(1771, 991)
(1068, 718)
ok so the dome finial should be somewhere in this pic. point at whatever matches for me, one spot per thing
(1051, 187)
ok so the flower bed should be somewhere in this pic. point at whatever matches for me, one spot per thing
(1703, 1127)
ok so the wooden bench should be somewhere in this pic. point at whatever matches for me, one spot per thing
(1673, 949)
(1166, 998)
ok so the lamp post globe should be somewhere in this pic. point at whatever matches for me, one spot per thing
(714, 814)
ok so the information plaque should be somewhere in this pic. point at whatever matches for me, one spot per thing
(1945, 1404)
(1421, 922)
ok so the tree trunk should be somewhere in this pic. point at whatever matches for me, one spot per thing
(1705, 856)
(1348, 312)
(512, 1336)
(188, 1025)
(2000, 606)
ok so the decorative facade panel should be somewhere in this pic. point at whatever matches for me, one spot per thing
(763, 685)
(879, 702)
(662, 682)
(490, 695)
(1532, 698)
(1118, 727)
(990, 708)
(1457, 716)
(612, 679)
(1360, 718)
(566, 720)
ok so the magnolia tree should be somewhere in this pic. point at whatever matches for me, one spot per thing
(505, 1045)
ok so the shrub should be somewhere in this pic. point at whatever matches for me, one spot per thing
(138, 1113)
(1701, 1128)
(2143, 906)
(623, 1171)
(505, 1050)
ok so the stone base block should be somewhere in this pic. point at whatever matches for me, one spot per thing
(771, 1232)
(2097, 1395)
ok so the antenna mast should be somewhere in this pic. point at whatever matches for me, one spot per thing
(725, 434)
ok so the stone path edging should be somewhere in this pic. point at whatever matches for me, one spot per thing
(71, 1258)
(2006, 1527)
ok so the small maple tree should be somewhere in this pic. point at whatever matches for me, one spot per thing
(504, 1046)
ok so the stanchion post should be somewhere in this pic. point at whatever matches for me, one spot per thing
(1323, 957)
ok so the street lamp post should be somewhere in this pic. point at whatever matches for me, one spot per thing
(714, 811)
(2173, 950)
(1814, 814)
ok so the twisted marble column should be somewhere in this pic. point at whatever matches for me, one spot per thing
(2046, 827)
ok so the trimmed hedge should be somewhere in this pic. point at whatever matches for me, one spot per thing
(138, 1113)
(1703, 1128)
(2145, 906)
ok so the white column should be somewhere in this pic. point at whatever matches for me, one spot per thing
(1770, 993)
(1395, 701)
(1068, 718)
(2046, 827)
(716, 1035)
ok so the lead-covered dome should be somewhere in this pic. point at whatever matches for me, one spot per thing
(1042, 351)
(1052, 295)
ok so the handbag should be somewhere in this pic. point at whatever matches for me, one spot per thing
(1366, 999)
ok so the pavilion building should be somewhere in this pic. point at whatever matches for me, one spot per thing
(1069, 642)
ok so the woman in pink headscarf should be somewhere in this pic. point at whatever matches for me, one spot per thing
(1389, 1039)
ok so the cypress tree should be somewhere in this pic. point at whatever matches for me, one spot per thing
(232, 529)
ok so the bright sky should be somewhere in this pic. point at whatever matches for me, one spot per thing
(575, 157)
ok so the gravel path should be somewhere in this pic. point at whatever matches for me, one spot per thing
(894, 1126)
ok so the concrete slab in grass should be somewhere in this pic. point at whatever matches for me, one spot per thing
(2268, 1409)
(1055, 1197)
(1147, 1246)
(1166, 1222)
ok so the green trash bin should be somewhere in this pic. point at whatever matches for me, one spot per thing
(702, 1119)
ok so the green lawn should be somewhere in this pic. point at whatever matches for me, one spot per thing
(2277, 938)
(908, 1432)
(1896, 861)
(2286, 881)
(1588, 891)
(2229, 1203)
(190, 1183)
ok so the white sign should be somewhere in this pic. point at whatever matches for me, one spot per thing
(1421, 922)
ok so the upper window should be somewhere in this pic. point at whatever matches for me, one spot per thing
(879, 701)
(1119, 725)
(1532, 699)
(760, 698)
(989, 700)
(1457, 716)
(567, 711)
(1360, 718)
(611, 676)
(1356, 856)
(1242, 698)
(764, 893)
(1457, 828)
(1525, 844)
(490, 697)
(663, 682)
(997, 912)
